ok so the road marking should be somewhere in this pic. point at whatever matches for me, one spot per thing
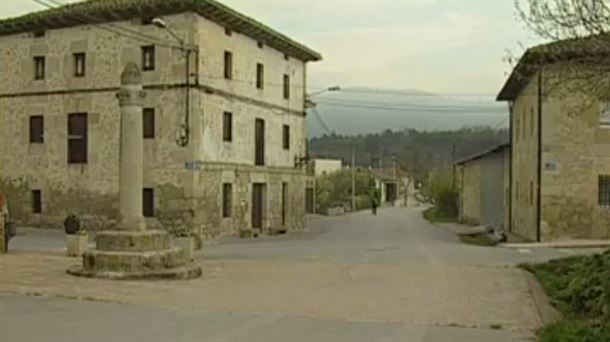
(524, 251)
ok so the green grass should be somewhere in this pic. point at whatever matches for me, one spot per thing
(478, 240)
(432, 216)
(580, 288)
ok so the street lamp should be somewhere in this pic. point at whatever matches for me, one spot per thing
(333, 88)
(183, 135)
(309, 102)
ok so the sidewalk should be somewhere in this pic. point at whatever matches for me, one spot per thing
(568, 243)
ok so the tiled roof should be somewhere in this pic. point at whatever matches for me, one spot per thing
(102, 11)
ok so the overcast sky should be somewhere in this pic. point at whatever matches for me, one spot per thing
(449, 47)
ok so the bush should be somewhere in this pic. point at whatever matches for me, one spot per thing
(337, 188)
(580, 288)
(443, 194)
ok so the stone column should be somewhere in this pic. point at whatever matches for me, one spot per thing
(131, 149)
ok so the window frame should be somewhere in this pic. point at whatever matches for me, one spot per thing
(286, 137)
(227, 126)
(228, 65)
(260, 76)
(76, 57)
(286, 86)
(36, 201)
(40, 66)
(148, 123)
(146, 210)
(148, 50)
(227, 200)
(75, 137)
(36, 137)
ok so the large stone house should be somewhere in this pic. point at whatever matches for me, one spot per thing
(224, 118)
(560, 138)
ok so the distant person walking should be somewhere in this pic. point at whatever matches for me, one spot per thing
(374, 200)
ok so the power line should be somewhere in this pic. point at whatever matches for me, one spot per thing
(390, 108)
(412, 105)
(321, 121)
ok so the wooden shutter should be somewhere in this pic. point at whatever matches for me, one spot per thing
(77, 138)
(36, 129)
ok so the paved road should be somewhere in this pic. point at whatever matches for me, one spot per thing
(391, 277)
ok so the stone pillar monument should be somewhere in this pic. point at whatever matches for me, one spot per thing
(131, 251)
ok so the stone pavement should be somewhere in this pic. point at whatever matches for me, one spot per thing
(393, 270)
(408, 293)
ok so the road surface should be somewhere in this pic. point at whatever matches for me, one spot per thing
(358, 277)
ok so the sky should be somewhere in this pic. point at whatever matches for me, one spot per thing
(446, 47)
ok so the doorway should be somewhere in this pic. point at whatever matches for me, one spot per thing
(258, 200)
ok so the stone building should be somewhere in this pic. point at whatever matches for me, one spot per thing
(224, 118)
(326, 166)
(560, 137)
(483, 181)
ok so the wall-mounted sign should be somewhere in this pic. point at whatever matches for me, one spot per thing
(193, 165)
(550, 165)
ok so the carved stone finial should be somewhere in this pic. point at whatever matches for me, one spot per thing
(131, 74)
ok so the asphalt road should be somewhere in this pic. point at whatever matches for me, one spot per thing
(418, 278)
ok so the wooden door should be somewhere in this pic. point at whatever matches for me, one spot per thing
(309, 200)
(258, 191)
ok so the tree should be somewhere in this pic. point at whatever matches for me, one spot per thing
(578, 51)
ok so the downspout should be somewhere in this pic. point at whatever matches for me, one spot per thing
(539, 187)
(511, 105)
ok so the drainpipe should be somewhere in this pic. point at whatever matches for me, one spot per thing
(539, 187)
(511, 105)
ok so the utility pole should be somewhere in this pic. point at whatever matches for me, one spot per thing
(353, 177)
(453, 167)
(380, 167)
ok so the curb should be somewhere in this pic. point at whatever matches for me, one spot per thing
(548, 313)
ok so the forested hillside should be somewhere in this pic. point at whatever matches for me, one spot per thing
(416, 151)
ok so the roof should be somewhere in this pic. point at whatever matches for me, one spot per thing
(498, 148)
(577, 49)
(101, 11)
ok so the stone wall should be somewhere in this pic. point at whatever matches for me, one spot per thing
(471, 193)
(525, 162)
(576, 150)
(183, 198)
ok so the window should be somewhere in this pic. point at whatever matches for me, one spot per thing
(284, 200)
(148, 57)
(36, 129)
(532, 121)
(148, 123)
(260, 75)
(286, 137)
(259, 142)
(38, 33)
(228, 31)
(36, 201)
(604, 190)
(39, 67)
(227, 127)
(77, 138)
(228, 65)
(604, 116)
(260, 45)
(286, 86)
(227, 199)
(148, 202)
(79, 64)
(286, 57)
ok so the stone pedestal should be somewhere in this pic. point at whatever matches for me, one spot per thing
(131, 251)
(76, 244)
(187, 244)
